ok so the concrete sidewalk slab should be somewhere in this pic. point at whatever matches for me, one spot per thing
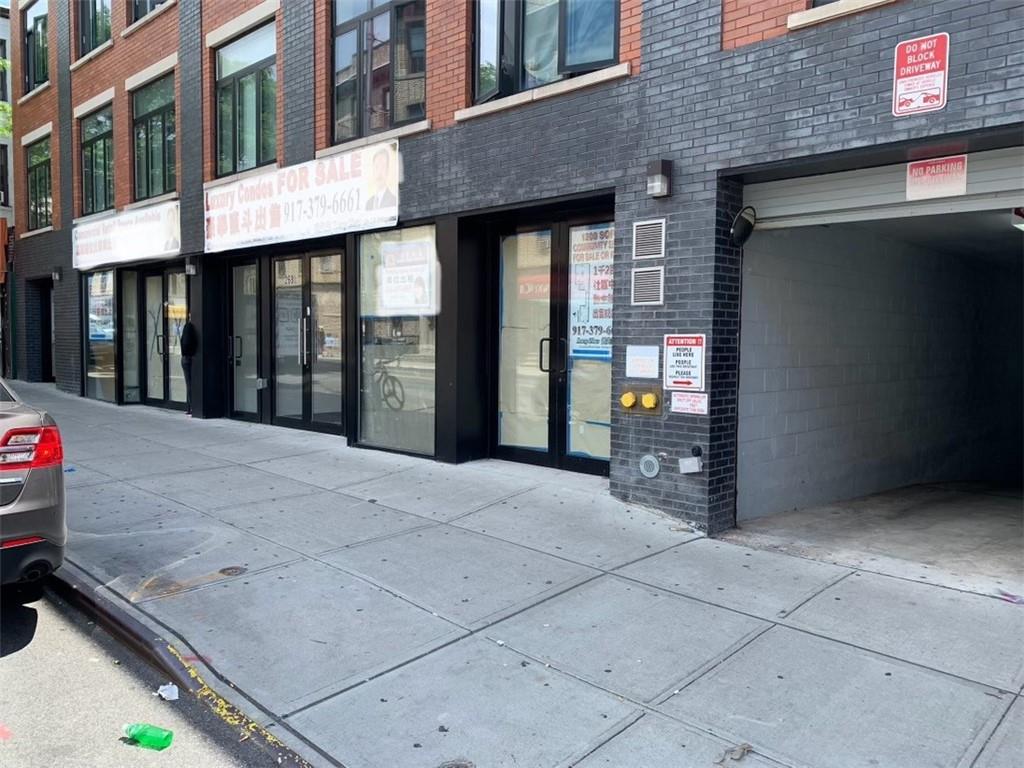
(440, 491)
(78, 475)
(471, 701)
(655, 741)
(810, 701)
(335, 468)
(320, 522)
(760, 583)
(261, 447)
(118, 507)
(101, 446)
(159, 461)
(650, 640)
(163, 556)
(912, 621)
(211, 489)
(1006, 747)
(594, 529)
(292, 635)
(468, 578)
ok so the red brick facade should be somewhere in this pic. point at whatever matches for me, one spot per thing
(30, 115)
(750, 21)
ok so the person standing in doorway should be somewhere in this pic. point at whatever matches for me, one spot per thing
(189, 347)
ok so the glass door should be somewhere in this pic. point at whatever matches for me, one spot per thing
(165, 298)
(308, 315)
(156, 368)
(244, 342)
(554, 345)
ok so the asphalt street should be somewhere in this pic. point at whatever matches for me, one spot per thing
(67, 687)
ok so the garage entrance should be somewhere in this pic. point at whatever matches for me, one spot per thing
(881, 385)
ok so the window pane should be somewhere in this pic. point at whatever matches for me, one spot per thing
(141, 177)
(410, 63)
(589, 31)
(378, 73)
(39, 152)
(487, 47)
(346, 72)
(268, 114)
(154, 96)
(156, 155)
(226, 126)
(97, 124)
(100, 366)
(245, 52)
(170, 160)
(398, 272)
(99, 176)
(108, 172)
(247, 122)
(88, 204)
(540, 42)
(348, 9)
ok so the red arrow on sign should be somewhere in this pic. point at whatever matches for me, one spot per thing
(685, 383)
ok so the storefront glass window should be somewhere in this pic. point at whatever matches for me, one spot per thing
(100, 344)
(130, 336)
(399, 297)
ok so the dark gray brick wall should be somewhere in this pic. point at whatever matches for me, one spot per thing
(298, 82)
(190, 124)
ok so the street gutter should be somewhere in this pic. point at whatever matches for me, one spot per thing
(162, 655)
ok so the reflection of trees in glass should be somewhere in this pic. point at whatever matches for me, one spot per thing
(487, 78)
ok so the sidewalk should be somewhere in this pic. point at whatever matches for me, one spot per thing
(380, 610)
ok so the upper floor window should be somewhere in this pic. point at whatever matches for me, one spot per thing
(380, 65)
(247, 102)
(98, 161)
(4, 95)
(40, 197)
(523, 44)
(37, 51)
(93, 24)
(5, 171)
(154, 129)
(142, 8)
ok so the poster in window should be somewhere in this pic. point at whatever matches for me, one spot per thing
(591, 283)
(407, 280)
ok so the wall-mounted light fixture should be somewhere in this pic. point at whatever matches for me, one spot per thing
(659, 178)
(190, 266)
(56, 274)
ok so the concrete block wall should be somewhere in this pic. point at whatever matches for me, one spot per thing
(859, 370)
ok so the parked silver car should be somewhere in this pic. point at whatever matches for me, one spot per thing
(33, 528)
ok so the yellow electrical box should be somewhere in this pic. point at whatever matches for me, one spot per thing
(628, 399)
(649, 400)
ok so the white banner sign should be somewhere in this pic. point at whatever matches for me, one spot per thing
(347, 192)
(139, 235)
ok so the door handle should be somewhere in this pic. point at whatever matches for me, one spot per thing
(299, 334)
(540, 354)
(160, 348)
(305, 341)
(240, 348)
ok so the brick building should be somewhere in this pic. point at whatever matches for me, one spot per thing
(465, 228)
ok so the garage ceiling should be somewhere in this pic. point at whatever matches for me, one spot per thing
(987, 235)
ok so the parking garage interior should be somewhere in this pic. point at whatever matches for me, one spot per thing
(881, 396)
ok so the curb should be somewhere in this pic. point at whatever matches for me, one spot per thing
(159, 653)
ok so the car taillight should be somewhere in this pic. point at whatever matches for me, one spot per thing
(31, 448)
(12, 543)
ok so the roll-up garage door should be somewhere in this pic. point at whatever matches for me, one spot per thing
(995, 179)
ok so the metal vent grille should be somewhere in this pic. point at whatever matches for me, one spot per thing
(649, 285)
(649, 239)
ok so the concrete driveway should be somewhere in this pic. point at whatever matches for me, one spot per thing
(380, 610)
